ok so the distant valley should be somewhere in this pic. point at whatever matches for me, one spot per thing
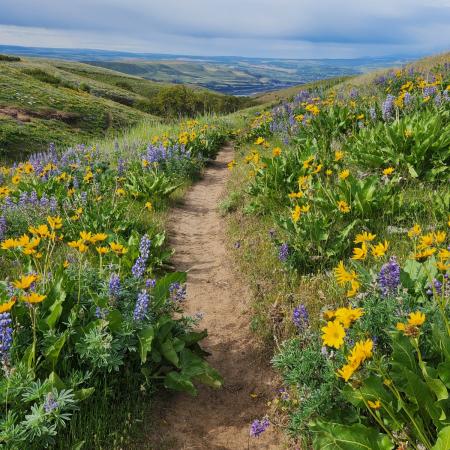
(228, 74)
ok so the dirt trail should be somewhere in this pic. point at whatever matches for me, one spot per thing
(216, 419)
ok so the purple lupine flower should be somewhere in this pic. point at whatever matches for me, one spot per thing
(101, 313)
(3, 227)
(84, 198)
(114, 285)
(50, 403)
(354, 94)
(53, 204)
(6, 337)
(437, 285)
(300, 317)
(407, 98)
(139, 266)
(237, 245)
(140, 310)
(284, 394)
(177, 292)
(283, 252)
(429, 91)
(373, 113)
(387, 107)
(389, 277)
(120, 167)
(150, 283)
(43, 202)
(144, 246)
(259, 426)
(33, 198)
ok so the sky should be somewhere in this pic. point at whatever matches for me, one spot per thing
(260, 28)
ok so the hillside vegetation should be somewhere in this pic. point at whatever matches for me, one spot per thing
(339, 216)
(45, 101)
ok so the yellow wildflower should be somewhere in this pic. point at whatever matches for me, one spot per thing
(25, 281)
(5, 307)
(344, 174)
(343, 206)
(360, 253)
(295, 213)
(348, 315)
(388, 171)
(414, 231)
(374, 405)
(54, 222)
(33, 297)
(118, 249)
(364, 237)
(338, 155)
(333, 334)
(380, 249)
(276, 151)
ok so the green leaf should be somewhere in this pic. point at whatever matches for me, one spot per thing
(179, 382)
(83, 394)
(115, 320)
(443, 440)
(52, 352)
(56, 382)
(169, 352)
(334, 436)
(145, 337)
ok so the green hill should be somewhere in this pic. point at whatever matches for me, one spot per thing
(44, 101)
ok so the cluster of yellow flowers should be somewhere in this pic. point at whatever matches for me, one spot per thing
(29, 244)
(86, 238)
(334, 333)
(377, 250)
(431, 244)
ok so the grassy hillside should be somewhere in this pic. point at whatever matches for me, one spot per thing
(41, 102)
(44, 101)
(288, 93)
(338, 216)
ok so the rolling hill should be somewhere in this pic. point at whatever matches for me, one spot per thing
(43, 100)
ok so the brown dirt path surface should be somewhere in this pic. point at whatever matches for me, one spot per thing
(216, 419)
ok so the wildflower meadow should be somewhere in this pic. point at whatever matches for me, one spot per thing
(345, 211)
(88, 306)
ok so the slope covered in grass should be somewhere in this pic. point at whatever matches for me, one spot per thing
(338, 208)
(45, 101)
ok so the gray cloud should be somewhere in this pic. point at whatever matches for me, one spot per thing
(257, 27)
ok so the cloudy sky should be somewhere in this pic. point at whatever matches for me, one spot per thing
(277, 28)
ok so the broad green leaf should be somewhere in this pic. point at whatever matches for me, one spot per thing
(443, 440)
(52, 352)
(334, 436)
(55, 381)
(145, 337)
(169, 352)
(83, 394)
(178, 382)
